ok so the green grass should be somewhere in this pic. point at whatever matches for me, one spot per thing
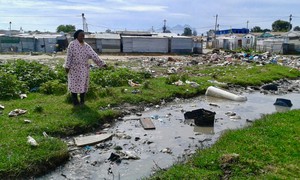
(55, 116)
(268, 149)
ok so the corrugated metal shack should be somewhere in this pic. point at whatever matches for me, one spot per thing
(47, 43)
(181, 44)
(17, 43)
(105, 42)
(10, 44)
(144, 44)
(293, 42)
(27, 44)
(272, 45)
(229, 42)
(178, 44)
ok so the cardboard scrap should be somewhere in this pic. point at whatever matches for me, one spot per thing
(86, 140)
(147, 123)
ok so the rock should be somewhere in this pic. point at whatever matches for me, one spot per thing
(1, 107)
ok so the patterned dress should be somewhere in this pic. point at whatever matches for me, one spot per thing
(77, 59)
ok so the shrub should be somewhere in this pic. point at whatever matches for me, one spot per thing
(10, 86)
(38, 109)
(116, 77)
(33, 74)
(53, 87)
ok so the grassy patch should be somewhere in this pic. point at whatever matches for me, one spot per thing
(269, 149)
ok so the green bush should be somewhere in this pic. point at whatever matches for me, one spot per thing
(117, 77)
(33, 74)
(53, 87)
(10, 86)
(60, 73)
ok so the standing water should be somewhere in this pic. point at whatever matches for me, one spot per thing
(172, 140)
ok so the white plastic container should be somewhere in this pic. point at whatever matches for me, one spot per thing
(216, 92)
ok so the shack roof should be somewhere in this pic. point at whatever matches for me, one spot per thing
(292, 34)
(103, 36)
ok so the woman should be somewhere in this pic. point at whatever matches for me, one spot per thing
(77, 66)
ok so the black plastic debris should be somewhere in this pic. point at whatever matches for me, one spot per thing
(202, 117)
(113, 157)
(270, 87)
(283, 102)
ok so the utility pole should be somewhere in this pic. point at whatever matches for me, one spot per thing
(83, 19)
(290, 25)
(84, 24)
(10, 28)
(247, 23)
(215, 34)
(164, 27)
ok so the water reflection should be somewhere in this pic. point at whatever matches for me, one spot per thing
(204, 130)
(282, 108)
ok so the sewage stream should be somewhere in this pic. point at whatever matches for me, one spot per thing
(173, 140)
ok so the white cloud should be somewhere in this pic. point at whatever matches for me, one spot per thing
(143, 8)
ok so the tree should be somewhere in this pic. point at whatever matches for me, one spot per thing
(65, 28)
(266, 30)
(108, 31)
(281, 26)
(256, 29)
(297, 28)
(187, 31)
(195, 32)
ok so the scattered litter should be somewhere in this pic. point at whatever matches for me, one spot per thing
(27, 121)
(230, 113)
(283, 102)
(23, 96)
(16, 112)
(192, 83)
(270, 87)
(212, 104)
(114, 157)
(82, 141)
(235, 117)
(178, 83)
(216, 92)
(202, 117)
(214, 57)
(45, 135)
(166, 150)
(129, 155)
(32, 141)
(147, 123)
(133, 84)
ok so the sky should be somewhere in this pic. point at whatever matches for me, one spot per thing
(145, 15)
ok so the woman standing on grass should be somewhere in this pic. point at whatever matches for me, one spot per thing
(77, 66)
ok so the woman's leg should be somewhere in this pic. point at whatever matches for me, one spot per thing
(75, 99)
(82, 98)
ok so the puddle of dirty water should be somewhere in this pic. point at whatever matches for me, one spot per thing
(172, 141)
